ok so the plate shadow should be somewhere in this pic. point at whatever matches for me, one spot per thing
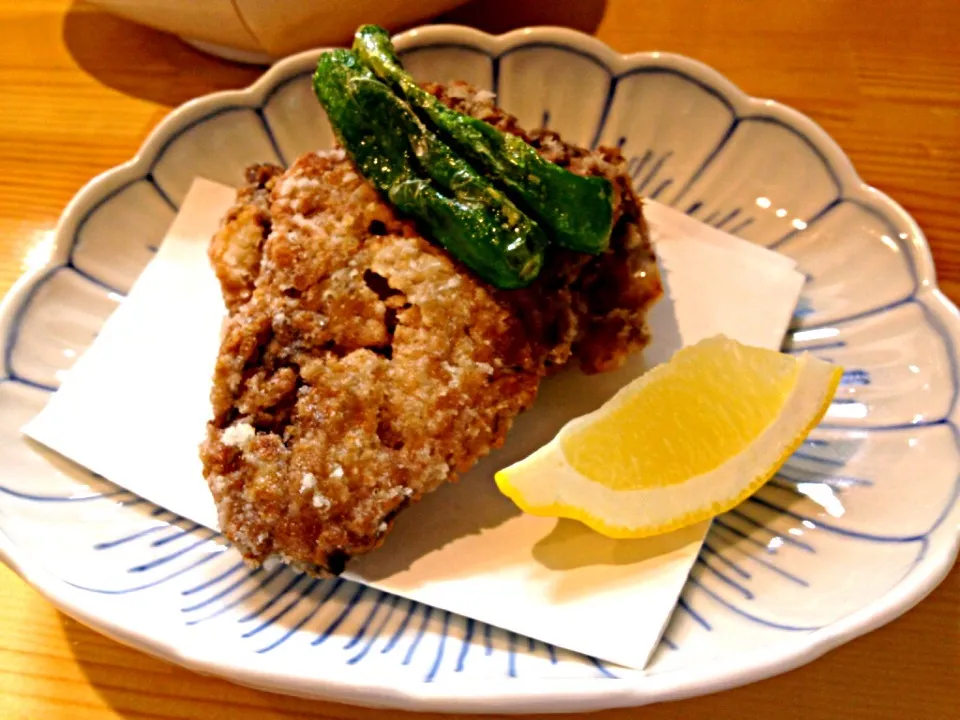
(145, 63)
(500, 16)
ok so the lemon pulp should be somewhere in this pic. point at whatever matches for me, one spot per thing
(686, 417)
(686, 441)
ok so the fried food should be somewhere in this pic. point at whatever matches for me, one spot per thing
(362, 366)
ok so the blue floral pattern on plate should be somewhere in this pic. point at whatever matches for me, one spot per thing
(858, 526)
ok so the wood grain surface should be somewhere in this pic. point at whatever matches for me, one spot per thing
(79, 91)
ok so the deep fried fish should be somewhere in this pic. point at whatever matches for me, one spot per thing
(362, 366)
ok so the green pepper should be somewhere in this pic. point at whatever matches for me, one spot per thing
(424, 178)
(576, 210)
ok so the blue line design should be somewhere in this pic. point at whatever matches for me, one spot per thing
(951, 353)
(668, 642)
(465, 645)
(338, 621)
(724, 579)
(394, 599)
(161, 192)
(334, 587)
(770, 566)
(552, 653)
(660, 188)
(837, 530)
(180, 132)
(14, 378)
(81, 225)
(684, 605)
(94, 280)
(282, 613)
(708, 161)
(750, 616)
(443, 641)
(635, 165)
(13, 336)
(178, 534)
(813, 219)
(411, 607)
(752, 540)
(655, 169)
(167, 558)
(796, 474)
(547, 46)
(75, 240)
(306, 75)
(166, 578)
(835, 462)
(816, 348)
(725, 560)
(694, 207)
(494, 59)
(605, 113)
(427, 613)
(365, 625)
(215, 580)
(855, 377)
(714, 93)
(896, 427)
(717, 522)
(512, 654)
(272, 601)
(273, 140)
(863, 314)
(834, 482)
(769, 120)
(893, 230)
(602, 668)
(226, 591)
(787, 539)
(61, 498)
(129, 538)
(488, 639)
(289, 633)
(729, 216)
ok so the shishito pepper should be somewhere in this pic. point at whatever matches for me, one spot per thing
(577, 211)
(424, 178)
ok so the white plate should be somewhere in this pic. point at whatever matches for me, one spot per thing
(858, 527)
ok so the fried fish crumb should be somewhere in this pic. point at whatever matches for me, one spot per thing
(362, 366)
(238, 435)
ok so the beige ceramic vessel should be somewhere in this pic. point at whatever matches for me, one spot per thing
(260, 31)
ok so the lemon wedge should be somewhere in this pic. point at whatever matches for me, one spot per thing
(684, 442)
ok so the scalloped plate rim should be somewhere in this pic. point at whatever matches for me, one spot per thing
(523, 695)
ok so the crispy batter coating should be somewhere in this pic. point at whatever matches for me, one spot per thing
(362, 366)
(236, 249)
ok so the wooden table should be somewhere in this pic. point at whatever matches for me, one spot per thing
(79, 90)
